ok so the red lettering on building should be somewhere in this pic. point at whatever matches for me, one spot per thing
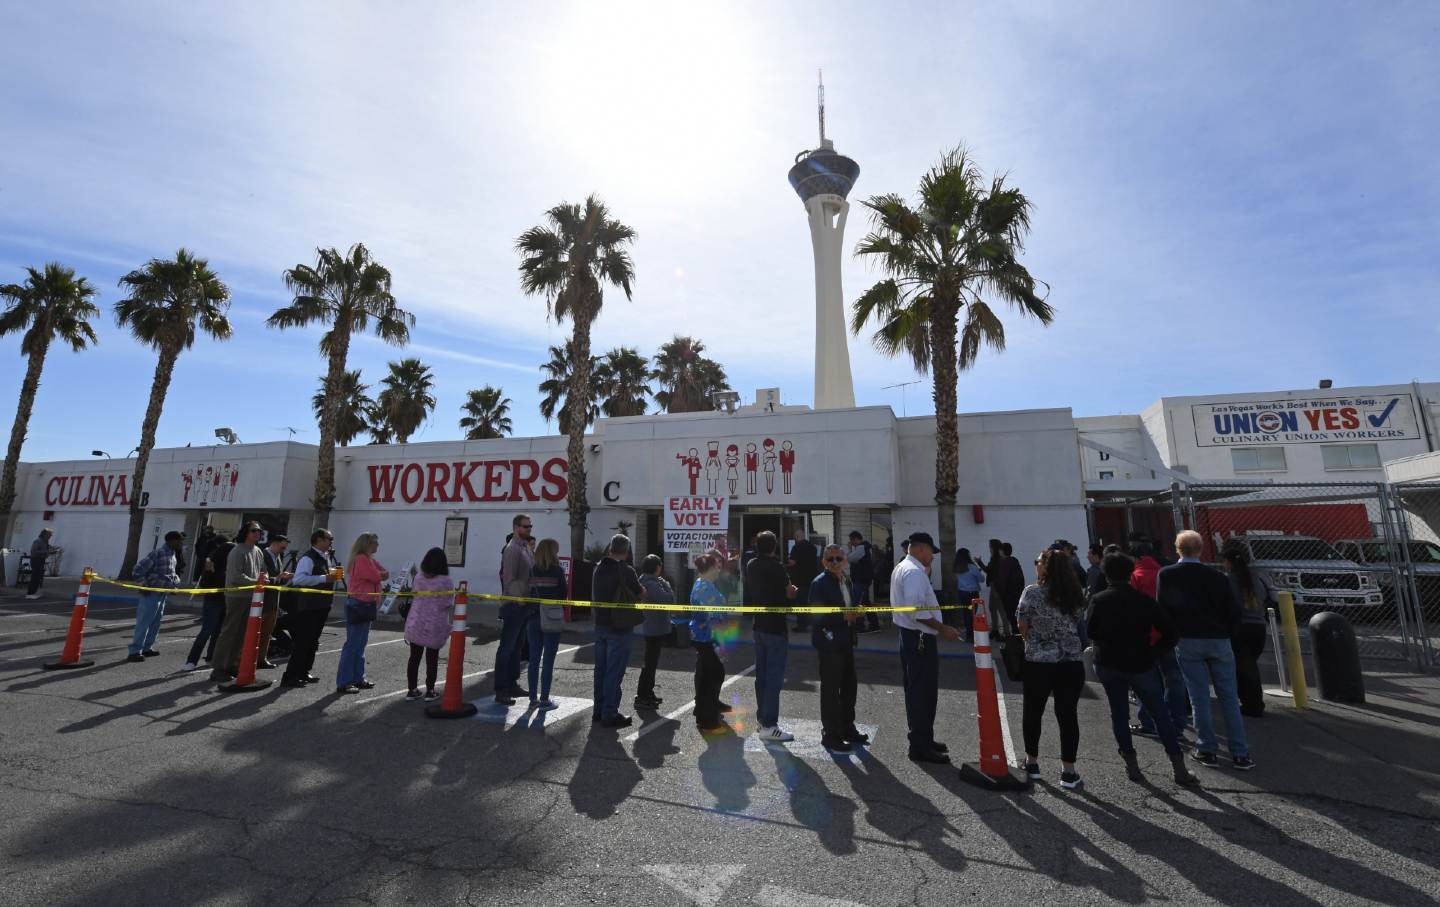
(455, 482)
(556, 486)
(382, 483)
(87, 491)
(523, 474)
(463, 472)
(1349, 417)
(411, 491)
(494, 479)
(436, 481)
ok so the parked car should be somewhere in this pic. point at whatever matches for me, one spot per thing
(1319, 577)
(1379, 556)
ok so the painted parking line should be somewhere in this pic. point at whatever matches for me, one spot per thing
(373, 645)
(687, 707)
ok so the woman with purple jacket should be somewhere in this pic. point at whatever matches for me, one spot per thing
(427, 626)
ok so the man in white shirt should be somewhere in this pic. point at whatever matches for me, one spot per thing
(919, 646)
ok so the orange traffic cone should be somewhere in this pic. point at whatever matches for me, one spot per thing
(245, 681)
(70, 655)
(454, 704)
(992, 771)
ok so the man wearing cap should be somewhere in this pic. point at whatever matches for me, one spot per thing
(920, 632)
(40, 551)
(315, 569)
(160, 571)
(276, 574)
(242, 568)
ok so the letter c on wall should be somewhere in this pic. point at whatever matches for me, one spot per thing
(612, 491)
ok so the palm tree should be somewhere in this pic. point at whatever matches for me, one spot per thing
(487, 414)
(352, 407)
(345, 292)
(568, 260)
(688, 380)
(378, 427)
(555, 388)
(407, 400)
(52, 304)
(942, 259)
(622, 380)
(168, 301)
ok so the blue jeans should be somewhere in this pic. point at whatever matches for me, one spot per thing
(1207, 662)
(771, 650)
(1147, 689)
(612, 655)
(147, 621)
(542, 660)
(352, 657)
(1167, 670)
(210, 621)
(514, 626)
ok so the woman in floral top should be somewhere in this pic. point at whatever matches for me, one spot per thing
(1048, 617)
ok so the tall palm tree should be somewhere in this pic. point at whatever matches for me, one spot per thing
(346, 292)
(378, 426)
(52, 304)
(352, 407)
(169, 300)
(568, 260)
(407, 399)
(943, 259)
(688, 379)
(622, 380)
(555, 388)
(487, 414)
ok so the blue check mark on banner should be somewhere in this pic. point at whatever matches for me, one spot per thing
(1377, 421)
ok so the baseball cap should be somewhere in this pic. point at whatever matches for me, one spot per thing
(279, 537)
(922, 538)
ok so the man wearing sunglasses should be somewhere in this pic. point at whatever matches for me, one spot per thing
(833, 636)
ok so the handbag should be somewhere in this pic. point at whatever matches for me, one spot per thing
(1012, 653)
(358, 612)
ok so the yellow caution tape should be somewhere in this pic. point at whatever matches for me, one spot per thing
(574, 603)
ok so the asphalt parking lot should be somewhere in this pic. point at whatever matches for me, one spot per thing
(138, 784)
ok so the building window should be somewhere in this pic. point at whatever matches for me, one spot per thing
(1351, 456)
(1107, 474)
(1258, 459)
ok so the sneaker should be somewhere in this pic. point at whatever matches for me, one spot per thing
(150, 653)
(774, 735)
(546, 705)
(854, 736)
(617, 721)
(348, 689)
(1032, 771)
(364, 684)
(32, 597)
(136, 657)
(431, 695)
(413, 696)
(189, 666)
(1143, 731)
(1242, 764)
(642, 702)
(1209, 760)
(1070, 780)
(835, 744)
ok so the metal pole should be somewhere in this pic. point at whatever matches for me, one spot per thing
(1426, 654)
(1275, 647)
(1292, 647)
(1399, 564)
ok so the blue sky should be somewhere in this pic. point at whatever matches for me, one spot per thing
(1228, 196)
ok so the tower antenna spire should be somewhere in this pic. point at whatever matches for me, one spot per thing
(820, 97)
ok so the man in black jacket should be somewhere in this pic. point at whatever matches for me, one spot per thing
(315, 569)
(766, 583)
(834, 639)
(614, 581)
(804, 566)
(1206, 614)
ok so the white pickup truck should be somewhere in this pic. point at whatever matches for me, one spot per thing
(1378, 556)
(1319, 577)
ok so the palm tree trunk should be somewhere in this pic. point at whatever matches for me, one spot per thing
(164, 370)
(947, 439)
(28, 387)
(324, 499)
(577, 402)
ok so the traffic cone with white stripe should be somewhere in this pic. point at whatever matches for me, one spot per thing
(992, 771)
(453, 705)
(70, 655)
(245, 681)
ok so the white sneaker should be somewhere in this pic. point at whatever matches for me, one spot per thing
(774, 735)
(188, 666)
(32, 597)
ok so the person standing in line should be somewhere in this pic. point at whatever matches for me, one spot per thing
(316, 569)
(515, 616)
(861, 559)
(1144, 579)
(1207, 615)
(968, 578)
(1129, 630)
(363, 576)
(427, 626)
(1147, 569)
(212, 576)
(656, 627)
(40, 551)
(614, 581)
(547, 581)
(766, 584)
(1047, 617)
(833, 636)
(276, 577)
(1248, 643)
(804, 563)
(1095, 581)
(158, 569)
(243, 567)
(920, 633)
(709, 669)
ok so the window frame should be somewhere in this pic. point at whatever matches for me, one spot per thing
(1259, 452)
(1325, 452)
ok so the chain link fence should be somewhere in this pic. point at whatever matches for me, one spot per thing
(1367, 551)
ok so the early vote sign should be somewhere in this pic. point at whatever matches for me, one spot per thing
(695, 522)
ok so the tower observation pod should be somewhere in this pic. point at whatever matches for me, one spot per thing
(822, 178)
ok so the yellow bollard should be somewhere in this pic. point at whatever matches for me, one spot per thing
(1285, 602)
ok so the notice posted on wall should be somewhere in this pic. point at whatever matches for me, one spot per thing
(1306, 421)
(694, 523)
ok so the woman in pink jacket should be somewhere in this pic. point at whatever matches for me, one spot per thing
(363, 576)
(428, 623)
